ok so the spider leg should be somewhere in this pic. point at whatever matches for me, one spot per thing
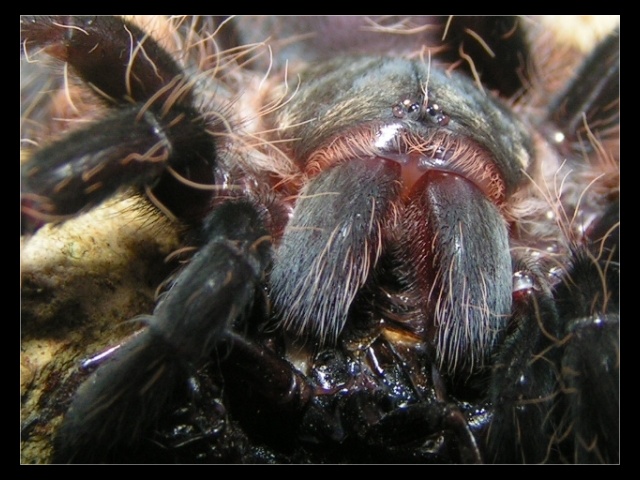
(591, 98)
(403, 205)
(154, 125)
(588, 303)
(562, 355)
(126, 394)
(555, 383)
(588, 297)
(565, 385)
(524, 380)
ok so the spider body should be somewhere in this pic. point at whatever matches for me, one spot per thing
(375, 268)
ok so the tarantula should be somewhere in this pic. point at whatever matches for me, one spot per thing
(394, 240)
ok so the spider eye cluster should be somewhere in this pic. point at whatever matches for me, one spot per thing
(408, 112)
(379, 255)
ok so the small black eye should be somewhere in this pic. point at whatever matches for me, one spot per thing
(405, 107)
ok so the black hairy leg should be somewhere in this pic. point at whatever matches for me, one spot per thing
(154, 130)
(349, 240)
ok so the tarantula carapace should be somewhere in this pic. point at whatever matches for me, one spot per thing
(394, 240)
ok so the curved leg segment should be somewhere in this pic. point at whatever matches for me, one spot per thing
(154, 137)
(336, 236)
(125, 395)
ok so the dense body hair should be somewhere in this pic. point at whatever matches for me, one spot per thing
(405, 241)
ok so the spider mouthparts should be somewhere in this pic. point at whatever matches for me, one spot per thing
(466, 279)
(446, 153)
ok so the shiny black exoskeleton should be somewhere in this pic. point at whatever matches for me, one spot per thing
(382, 270)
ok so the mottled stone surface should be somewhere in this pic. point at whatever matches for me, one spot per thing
(80, 284)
